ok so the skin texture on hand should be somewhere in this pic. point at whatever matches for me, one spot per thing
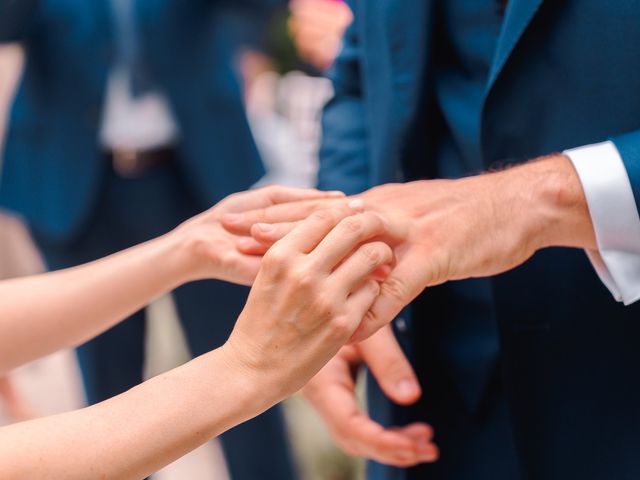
(200, 248)
(311, 294)
(211, 249)
(445, 230)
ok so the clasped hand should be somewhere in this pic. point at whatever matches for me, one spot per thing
(439, 230)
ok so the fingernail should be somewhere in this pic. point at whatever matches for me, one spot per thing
(265, 227)
(336, 193)
(356, 204)
(233, 217)
(406, 388)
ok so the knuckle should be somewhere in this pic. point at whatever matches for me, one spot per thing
(395, 288)
(323, 304)
(260, 215)
(341, 327)
(322, 215)
(302, 278)
(276, 258)
(352, 225)
(375, 220)
(373, 254)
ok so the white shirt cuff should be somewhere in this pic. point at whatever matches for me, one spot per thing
(615, 218)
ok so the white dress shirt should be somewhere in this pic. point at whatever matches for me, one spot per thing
(615, 218)
(133, 122)
(130, 123)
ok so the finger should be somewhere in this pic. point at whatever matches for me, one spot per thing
(360, 301)
(271, 195)
(306, 236)
(241, 223)
(332, 393)
(358, 434)
(390, 367)
(351, 232)
(270, 233)
(281, 194)
(360, 265)
(400, 288)
(422, 434)
(393, 446)
(249, 246)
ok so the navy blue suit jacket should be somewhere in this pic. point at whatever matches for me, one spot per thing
(52, 164)
(565, 74)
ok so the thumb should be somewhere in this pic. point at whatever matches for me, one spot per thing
(401, 287)
(390, 367)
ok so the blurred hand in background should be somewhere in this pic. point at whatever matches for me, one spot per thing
(317, 27)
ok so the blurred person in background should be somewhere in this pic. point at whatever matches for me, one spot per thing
(317, 27)
(285, 87)
(129, 120)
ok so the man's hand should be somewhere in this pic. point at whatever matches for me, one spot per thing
(332, 393)
(210, 250)
(445, 230)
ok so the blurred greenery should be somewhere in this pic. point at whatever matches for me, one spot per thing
(281, 48)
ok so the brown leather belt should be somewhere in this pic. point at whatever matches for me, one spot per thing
(135, 163)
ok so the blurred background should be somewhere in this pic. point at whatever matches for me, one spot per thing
(279, 62)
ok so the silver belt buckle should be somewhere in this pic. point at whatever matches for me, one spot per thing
(126, 163)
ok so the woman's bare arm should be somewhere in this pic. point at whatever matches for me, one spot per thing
(42, 314)
(312, 291)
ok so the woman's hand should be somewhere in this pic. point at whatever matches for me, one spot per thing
(312, 292)
(210, 251)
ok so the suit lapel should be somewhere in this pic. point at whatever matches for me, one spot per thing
(518, 16)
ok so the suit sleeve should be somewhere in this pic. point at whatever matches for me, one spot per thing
(16, 17)
(629, 147)
(344, 151)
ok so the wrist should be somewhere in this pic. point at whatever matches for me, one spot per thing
(196, 250)
(258, 388)
(177, 257)
(554, 209)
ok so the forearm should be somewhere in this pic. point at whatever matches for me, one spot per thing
(136, 433)
(39, 315)
(544, 201)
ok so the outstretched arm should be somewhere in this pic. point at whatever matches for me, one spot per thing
(42, 314)
(311, 293)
